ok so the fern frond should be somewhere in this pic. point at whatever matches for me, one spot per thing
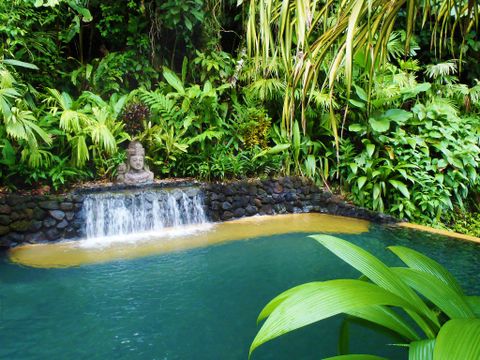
(474, 93)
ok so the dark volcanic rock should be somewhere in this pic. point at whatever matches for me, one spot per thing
(69, 215)
(4, 230)
(17, 237)
(6, 243)
(62, 225)
(49, 205)
(66, 206)
(278, 188)
(20, 226)
(239, 212)
(57, 214)
(227, 215)
(5, 220)
(49, 222)
(39, 214)
(35, 225)
(226, 205)
(251, 210)
(5, 209)
(35, 237)
(52, 234)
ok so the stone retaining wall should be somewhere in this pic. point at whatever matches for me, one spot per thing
(226, 201)
(33, 219)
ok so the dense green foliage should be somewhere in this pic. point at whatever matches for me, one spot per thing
(447, 320)
(216, 91)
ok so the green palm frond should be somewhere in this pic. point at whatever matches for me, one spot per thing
(100, 131)
(322, 100)
(36, 158)
(374, 301)
(7, 80)
(441, 70)
(80, 153)
(6, 96)
(266, 89)
(20, 125)
(474, 93)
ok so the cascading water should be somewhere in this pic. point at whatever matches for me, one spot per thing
(119, 214)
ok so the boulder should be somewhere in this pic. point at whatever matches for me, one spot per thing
(20, 226)
(49, 205)
(57, 214)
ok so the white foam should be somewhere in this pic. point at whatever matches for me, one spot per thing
(165, 234)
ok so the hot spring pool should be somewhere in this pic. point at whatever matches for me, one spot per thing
(169, 299)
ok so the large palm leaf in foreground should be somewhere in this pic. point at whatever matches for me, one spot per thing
(449, 320)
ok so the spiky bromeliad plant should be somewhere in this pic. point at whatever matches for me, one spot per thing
(449, 320)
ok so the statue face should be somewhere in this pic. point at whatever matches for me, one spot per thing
(136, 162)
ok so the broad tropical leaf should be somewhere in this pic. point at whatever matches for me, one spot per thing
(443, 296)
(313, 302)
(379, 274)
(421, 350)
(383, 316)
(418, 261)
(173, 80)
(458, 339)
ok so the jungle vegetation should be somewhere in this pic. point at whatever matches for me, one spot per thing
(374, 99)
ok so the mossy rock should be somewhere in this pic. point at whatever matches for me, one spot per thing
(20, 226)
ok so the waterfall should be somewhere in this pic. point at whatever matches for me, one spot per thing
(113, 214)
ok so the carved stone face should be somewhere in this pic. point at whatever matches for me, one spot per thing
(136, 162)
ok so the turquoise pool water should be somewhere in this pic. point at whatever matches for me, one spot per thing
(195, 304)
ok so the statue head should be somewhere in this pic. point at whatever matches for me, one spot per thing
(136, 156)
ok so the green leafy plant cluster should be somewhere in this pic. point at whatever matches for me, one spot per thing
(465, 222)
(416, 162)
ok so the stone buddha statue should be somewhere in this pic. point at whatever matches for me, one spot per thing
(134, 172)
